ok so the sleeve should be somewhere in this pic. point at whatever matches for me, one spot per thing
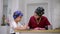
(29, 24)
(32, 22)
(47, 22)
(13, 25)
(19, 24)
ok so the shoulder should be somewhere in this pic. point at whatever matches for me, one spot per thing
(13, 24)
(32, 17)
(44, 17)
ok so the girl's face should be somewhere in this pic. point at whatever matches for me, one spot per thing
(36, 16)
(18, 18)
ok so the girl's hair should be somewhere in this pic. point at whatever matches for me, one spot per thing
(17, 14)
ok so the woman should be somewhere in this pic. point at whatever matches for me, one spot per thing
(38, 21)
(15, 25)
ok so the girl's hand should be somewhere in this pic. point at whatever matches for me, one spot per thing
(26, 27)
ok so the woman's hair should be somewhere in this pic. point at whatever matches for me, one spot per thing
(39, 11)
(17, 14)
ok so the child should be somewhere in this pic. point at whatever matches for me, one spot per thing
(15, 25)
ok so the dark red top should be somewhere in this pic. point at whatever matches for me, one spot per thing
(32, 22)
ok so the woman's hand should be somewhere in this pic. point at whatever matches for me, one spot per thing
(36, 28)
(39, 28)
(42, 29)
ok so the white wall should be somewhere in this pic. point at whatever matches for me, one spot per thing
(1, 10)
(5, 2)
(56, 14)
(13, 5)
(5, 6)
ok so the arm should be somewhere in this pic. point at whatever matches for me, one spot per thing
(29, 24)
(15, 27)
(48, 25)
(20, 28)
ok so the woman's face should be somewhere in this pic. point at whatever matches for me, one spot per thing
(36, 16)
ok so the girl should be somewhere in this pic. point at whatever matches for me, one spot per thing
(15, 25)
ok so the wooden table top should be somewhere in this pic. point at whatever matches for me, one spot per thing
(42, 31)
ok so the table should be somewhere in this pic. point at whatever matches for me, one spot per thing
(57, 31)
